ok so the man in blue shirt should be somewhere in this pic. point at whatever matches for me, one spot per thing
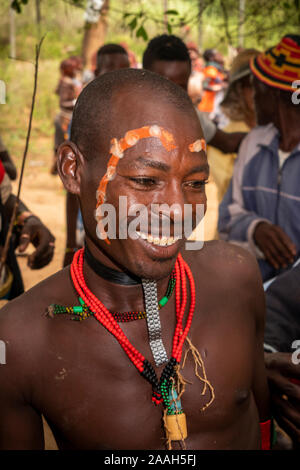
(261, 209)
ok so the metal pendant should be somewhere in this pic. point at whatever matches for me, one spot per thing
(153, 322)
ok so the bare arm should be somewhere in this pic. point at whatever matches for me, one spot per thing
(21, 426)
(227, 142)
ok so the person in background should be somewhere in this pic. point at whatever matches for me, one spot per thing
(196, 78)
(214, 85)
(238, 106)
(68, 89)
(282, 350)
(7, 162)
(28, 228)
(168, 56)
(131, 56)
(261, 209)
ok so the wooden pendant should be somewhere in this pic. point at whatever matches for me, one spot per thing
(176, 428)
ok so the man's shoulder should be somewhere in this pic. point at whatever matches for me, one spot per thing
(259, 135)
(224, 262)
(226, 274)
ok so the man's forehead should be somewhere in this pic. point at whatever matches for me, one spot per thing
(134, 109)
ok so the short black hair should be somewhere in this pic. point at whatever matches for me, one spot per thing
(109, 49)
(91, 120)
(165, 47)
(209, 54)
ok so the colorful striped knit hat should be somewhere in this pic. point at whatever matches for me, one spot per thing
(279, 66)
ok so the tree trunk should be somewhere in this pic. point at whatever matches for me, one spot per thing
(94, 37)
(38, 16)
(12, 33)
(241, 22)
(165, 7)
(200, 25)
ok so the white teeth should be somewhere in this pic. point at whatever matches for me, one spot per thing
(163, 241)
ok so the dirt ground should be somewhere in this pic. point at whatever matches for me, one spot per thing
(45, 196)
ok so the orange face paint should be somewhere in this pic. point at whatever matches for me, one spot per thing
(117, 150)
(197, 146)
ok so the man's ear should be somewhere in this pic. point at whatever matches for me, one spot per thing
(69, 165)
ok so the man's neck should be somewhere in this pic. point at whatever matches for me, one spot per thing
(289, 130)
(116, 297)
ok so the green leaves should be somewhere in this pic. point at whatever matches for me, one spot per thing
(141, 33)
(136, 24)
(171, 12)
(133, 23)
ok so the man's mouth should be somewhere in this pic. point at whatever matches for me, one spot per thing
(159, 241)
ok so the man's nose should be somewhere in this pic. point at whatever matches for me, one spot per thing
(173, 196)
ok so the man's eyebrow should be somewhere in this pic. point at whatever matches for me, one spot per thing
(152, 164)
(200, 169)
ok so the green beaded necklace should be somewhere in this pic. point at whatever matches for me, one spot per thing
(82, 311)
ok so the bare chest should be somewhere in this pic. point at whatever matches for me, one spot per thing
(94, 398)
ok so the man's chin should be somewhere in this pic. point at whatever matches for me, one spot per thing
(154, 262)
(140, 258)
(149, 261)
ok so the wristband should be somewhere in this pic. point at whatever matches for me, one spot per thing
(268, 434)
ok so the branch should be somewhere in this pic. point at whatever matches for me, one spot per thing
(225, 14)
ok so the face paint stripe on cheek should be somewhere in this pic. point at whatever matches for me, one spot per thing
(117, 152)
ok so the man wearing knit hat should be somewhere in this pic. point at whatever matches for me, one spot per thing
(261, 209)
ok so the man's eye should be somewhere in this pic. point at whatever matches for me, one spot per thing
(197, 184)
(143, 181)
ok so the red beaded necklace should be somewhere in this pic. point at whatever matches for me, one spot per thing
(103, 315)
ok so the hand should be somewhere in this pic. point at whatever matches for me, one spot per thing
(277, 247)
(35, 232)
(285, 394)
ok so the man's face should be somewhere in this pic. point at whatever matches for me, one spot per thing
(264, 102)
(147, 174)
(176, 71)
(111, 62)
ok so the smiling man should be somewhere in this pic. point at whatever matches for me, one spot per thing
(169, 349)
